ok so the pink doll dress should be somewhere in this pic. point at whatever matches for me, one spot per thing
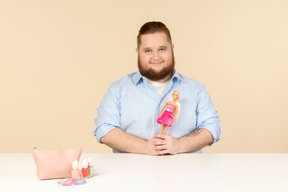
(166, 117)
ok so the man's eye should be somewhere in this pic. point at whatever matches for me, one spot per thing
(162, 49)
(147, 51)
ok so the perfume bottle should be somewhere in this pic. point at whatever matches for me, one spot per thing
(85, 170)
(90, 167)
(75, 173)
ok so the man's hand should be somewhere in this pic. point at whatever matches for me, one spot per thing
(166, 144)
(150, 148)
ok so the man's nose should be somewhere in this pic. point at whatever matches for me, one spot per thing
(156, 55)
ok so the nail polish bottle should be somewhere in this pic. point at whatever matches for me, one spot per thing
(90, 167)
(85, 170)
(75, 173)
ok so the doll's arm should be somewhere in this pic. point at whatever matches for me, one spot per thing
(175, 113)
(162, 109)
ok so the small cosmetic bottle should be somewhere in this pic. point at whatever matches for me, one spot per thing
(75, 173)
(85, 170)
(90, 167)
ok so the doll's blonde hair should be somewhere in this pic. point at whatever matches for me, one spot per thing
(177, 101)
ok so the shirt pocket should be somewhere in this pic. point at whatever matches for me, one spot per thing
(129, 116)
(186, 121)
(137, 118)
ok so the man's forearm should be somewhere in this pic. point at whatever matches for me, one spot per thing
(122, 141)
(195, 141)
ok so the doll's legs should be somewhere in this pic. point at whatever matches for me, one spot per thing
(166, 129)
(162, 126)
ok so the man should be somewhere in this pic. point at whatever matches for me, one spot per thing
(127, 116)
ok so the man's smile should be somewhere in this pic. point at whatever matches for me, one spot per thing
(157, 63)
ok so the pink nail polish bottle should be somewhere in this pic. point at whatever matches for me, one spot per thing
(75, 173)
(85, 170)
(90, 167)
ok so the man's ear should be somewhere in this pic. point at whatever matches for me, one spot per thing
(136, 50)
(172, 46)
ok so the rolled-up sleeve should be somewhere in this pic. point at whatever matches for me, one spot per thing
(207, 116)
(108, 113)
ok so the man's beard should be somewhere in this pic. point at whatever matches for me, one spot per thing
(154, 75)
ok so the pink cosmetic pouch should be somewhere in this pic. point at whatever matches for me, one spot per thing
(55, 164)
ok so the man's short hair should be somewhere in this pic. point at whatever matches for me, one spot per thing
(153, 27)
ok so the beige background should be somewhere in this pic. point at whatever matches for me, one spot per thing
(59, 57)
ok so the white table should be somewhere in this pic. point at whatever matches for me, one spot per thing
(185, 172)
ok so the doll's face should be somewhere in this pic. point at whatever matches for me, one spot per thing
(155, 57)
(176, 96)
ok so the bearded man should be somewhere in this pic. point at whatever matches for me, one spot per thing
(127, 116)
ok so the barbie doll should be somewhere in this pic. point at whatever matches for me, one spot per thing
(170, 114)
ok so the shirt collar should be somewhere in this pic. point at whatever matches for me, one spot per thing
(176, 76)
(138, 77)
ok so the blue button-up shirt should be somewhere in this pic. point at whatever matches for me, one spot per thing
(132, 104)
